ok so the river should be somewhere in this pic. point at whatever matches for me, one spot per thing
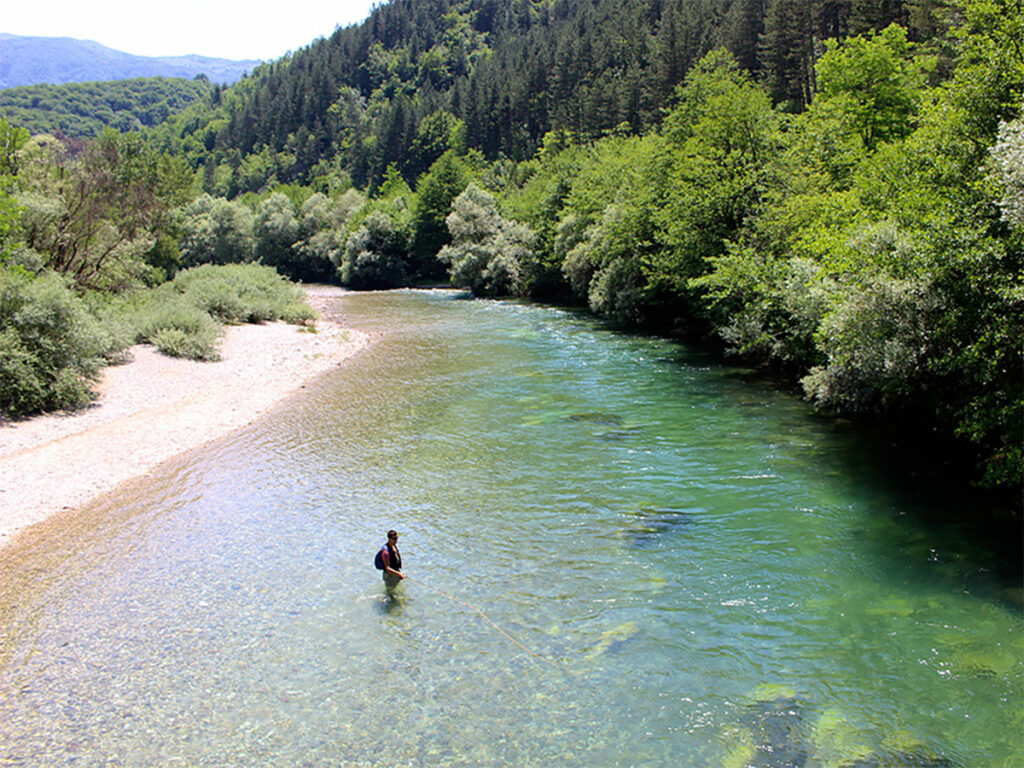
(620, 553)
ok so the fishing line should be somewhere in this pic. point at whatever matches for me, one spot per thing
(474, 608)
(486, 618)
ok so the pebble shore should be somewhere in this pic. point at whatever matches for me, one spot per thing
(155, 407)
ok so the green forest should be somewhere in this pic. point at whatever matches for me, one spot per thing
(83, 110)
(832, 190)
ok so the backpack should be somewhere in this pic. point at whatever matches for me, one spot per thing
(378, 559)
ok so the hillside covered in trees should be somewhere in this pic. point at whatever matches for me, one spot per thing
(509, 71)
(83, 110)
(830, 190)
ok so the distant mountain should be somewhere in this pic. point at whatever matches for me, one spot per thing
(56, 60)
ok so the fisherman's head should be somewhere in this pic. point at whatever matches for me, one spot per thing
(392, 535)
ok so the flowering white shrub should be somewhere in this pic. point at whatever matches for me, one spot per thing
(1008, 166)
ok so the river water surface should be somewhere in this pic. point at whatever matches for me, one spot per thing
(692, 568)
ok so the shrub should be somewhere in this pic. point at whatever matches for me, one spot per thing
(321, 245)
(54, 343)
(177, 343)
(603, 264)
(1008, 171)
(178, 327)
(242, 293)
(766, 309)
(877, 341)
(216, 231)
(22, 387)
(489, 254)
(183, 317)
(298, 314)
(51, 347)
(220, 300)
(375, 254)
(616, 292)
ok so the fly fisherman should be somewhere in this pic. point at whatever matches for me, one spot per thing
(391, 559)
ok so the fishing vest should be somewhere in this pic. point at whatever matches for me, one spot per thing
(394, 558)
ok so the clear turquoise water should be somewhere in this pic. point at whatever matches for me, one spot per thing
(674, 539)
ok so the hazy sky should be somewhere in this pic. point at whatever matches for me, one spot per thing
(229, 29)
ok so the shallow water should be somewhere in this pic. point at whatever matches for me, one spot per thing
(667, 541)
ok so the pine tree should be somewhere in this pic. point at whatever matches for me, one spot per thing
(789, 46)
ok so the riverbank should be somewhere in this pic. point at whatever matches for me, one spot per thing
(155, 407)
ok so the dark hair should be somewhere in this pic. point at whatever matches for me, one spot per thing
(392, 534)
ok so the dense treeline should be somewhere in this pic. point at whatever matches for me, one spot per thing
(870, 246)
(84, 110)
(423, 76)
(854, 224)
(88, 241)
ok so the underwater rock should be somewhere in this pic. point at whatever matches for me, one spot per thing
(921, 758)
(741, 751)
(892, 607)
(769, 735)
(1012, 596)
(596, 417)
(770, 692)
(774, 734)
(836, 742)
(907, 751)
(984, 661)
(612, 640)
(776, 728)
(650, 524)
(623, 432)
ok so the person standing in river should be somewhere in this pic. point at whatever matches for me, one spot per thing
(392, 560)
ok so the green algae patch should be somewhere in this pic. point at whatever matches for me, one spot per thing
(740, 749)
(770, 692)
(836, 742)
(985, 662)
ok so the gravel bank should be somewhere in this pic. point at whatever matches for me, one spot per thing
(155, 407)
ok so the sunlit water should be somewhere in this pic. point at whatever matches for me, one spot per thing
(702, 573)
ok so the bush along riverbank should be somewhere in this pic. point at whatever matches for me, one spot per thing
(55, 342)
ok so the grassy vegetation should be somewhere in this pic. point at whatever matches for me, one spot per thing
(54, 343)
(51, 346)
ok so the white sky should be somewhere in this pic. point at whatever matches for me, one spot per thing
(229, 29)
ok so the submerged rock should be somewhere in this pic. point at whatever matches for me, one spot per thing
(904, 750)
(612, 640)
(900, 760)
(623, 432)
(776, 727)
(774, 733)
(596, 417)
(836, 742)
(650, 524)
(985, 661)
(769, 735)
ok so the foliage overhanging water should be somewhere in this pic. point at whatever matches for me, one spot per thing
(718, 577)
